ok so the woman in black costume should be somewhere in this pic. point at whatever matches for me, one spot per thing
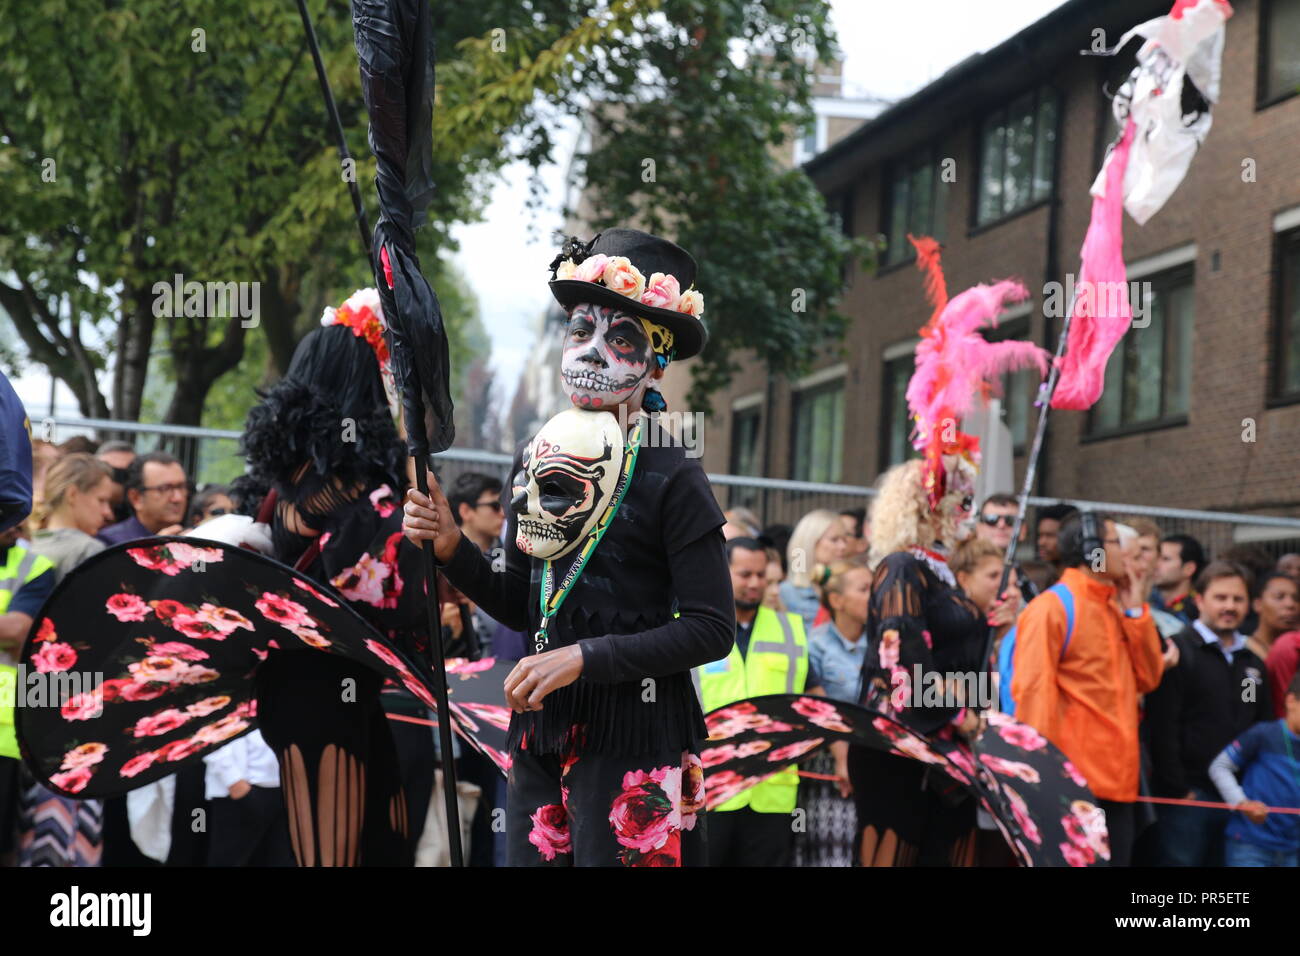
(323, 440)
(917, 618)
(607, 723)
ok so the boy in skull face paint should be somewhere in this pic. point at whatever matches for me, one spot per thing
(606, 724)
(607, 358)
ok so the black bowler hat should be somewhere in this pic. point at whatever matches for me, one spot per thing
(647, 254)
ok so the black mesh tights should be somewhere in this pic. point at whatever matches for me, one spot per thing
(338, 765)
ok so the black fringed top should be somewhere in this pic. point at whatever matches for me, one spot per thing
(665, 544)
(916, 620)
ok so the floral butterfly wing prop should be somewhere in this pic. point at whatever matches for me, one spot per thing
(1038, 800)
(144, 657)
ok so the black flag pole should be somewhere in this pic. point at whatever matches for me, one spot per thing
(344, 155)
(394, 41)
(1045, 393)
(450, 802)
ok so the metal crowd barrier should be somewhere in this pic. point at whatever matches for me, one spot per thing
(211, 455)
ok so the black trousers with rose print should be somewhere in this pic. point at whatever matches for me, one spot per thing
(597, 809)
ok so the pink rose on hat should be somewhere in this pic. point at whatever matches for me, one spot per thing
(662, 291)
(622, 277)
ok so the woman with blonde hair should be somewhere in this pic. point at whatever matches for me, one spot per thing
(920, 627)
(901, 518)
(818, 539)
(75, 504)
(836, 650)
(917, 619)
(44, 456)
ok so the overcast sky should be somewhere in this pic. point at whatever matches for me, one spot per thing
(890, 49)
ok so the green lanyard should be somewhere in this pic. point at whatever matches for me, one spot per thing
(550, 602)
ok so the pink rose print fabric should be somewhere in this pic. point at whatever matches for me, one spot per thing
(550, 831)
(477, 700)
(149, 649)
(606, 810)
(1039, 800)
(648, 817)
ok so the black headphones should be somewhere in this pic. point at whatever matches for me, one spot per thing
(1091, 541)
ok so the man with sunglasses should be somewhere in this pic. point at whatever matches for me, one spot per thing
(475, 500)
(158, 492)
(994, 523)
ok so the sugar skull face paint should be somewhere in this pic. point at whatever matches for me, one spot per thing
(569, 472)
(956, 515)
(607, 357)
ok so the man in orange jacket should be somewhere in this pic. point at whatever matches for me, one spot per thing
(1081, 659)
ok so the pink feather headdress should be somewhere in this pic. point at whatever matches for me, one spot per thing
(956, 365)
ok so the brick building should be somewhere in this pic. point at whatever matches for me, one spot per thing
(1022, 130)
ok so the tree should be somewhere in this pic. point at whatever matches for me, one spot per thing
(152, 141)
(141, 139)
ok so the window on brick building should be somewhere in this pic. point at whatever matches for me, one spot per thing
(817, 440)
(1279, 50)
(745, 440)
(917, 203)
(840, 206)
(1018, 388)
(1017, 155)
(896, 423)
(1149, 373)
(1286, 367)
(809, 142)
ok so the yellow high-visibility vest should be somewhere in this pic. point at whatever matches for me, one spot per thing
(20, 567)
(776, 662)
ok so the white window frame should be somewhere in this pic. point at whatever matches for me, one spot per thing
(1162, 261)
(822, 376)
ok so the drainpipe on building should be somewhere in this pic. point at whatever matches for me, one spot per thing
(768, 411)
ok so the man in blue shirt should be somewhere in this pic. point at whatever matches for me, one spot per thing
(1213, 695)
(1268, 758)
(159, 494)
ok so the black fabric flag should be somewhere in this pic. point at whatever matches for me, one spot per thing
(394, 40)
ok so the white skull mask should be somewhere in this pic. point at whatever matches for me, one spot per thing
(570, 471)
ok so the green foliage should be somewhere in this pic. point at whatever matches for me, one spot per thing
(713, 88)
(192, 138)
(209, 154)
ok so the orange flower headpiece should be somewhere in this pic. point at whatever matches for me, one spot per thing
(364, 315)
